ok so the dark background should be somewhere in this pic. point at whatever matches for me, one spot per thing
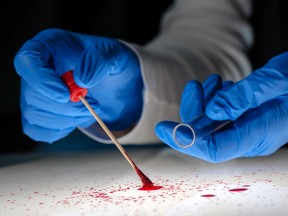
(130, 20)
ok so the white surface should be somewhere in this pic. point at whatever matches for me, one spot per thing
(103, 183)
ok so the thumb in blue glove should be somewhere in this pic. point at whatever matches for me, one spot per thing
(108, 68)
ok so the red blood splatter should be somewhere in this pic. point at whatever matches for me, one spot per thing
(208, 195)
(147, 184)
(150, 187)
(238, 189)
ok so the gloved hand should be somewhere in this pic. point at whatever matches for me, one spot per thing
(106, 67)
(258, 105)
(193, 102)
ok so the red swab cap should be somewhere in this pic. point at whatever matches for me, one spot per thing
(75, 90)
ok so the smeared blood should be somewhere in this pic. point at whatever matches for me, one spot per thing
(208, 195)
(238, 189)
(147, 184)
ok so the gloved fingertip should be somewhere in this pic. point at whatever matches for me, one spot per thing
(191, 101)
(164, 129)
(213, 79)
(191, 85)
(160, 129)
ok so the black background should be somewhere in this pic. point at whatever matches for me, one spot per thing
(134, 21)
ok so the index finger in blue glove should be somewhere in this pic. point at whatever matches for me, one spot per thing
(111, 71)
(196, 95)
(113, 58)
(192, 101)
(262, 85)
(210, 86)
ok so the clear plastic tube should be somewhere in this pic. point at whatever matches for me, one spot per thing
(186, 134)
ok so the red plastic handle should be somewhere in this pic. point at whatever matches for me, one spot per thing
(75, 90)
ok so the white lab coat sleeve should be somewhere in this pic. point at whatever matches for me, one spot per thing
(197, 38)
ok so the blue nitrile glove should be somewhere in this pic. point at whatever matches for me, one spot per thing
(263, 98)
(258, 105)
(106, 67)
(193, 102)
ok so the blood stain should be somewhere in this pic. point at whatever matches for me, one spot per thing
(147, 184)
(208, 195)
(238, 189)
(150, 187)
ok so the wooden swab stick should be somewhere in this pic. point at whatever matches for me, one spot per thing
(107, 131)
(76, 94)
(147, 183)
